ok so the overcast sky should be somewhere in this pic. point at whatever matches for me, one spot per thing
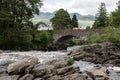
(83, 7)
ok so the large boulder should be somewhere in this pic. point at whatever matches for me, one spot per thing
(99, 53)
(27, 77)
(59, 63)
(41, 70)
(76, 76)
(4, 64)
(13, 77)
(20, 66)
(67, 70)
(39, 79)
(55, 77)
(100, 73)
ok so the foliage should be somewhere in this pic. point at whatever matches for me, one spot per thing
(110, 35)
(61, 20)
(116, 16)
(102, 19)
(70, 61)
(73, 42)
(70, 42)
(42, 40)
(16, 29)
(75, 21)
(88, 27)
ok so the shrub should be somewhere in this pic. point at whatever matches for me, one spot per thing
(110, 35)
(70, 61)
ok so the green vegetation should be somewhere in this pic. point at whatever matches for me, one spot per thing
(42, 40)
(17, 31)
(101, 20)
(109, 35)
(70, 61)
(73, 42)
(115, 16)
(75, 21)
(61, 20)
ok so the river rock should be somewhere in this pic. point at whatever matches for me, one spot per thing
(59, 63)
(99, 53)
(67, 70)
(55, 77)
(99, 74)
(20, 66)
(13, 77)
(75, 76)
(38, 79)
(27, 77)
(41, 70)
(4, 64)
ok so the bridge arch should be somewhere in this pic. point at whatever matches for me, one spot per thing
(62, 39)
(62, 35)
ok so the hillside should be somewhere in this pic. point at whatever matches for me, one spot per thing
(84, 20)
(48, 15)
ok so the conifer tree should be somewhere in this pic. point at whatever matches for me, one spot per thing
(101, 20)
(75, 21)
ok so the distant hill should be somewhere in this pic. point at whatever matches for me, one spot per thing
(84, 20)
(48, 15)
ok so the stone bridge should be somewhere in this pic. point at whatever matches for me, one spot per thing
(62, 35)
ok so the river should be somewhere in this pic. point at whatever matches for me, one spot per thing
(7, 57)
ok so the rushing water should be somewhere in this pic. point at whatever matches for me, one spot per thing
(42, 56)
(9, 57)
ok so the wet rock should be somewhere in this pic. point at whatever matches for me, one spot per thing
(27, 77)
(4, 64)
(3, 74)
(20, 66)
(67, 70)
(56, 77)
(75, 76)
(99, 53)
(40, 70)
(13, 77)
(38, 79)
(98, 74)
(59, 63)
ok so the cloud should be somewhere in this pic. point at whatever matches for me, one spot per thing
(83, 7)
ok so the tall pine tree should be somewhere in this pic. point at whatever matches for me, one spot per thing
(75, 21)
(101, 20)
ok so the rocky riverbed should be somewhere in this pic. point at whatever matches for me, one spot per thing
(92, 62)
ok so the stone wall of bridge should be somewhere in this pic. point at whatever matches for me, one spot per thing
(78, 34)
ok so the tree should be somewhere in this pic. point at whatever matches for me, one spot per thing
(116, 16)
(101, 20)
(61, 20)
(15, 21)
(74, 21)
